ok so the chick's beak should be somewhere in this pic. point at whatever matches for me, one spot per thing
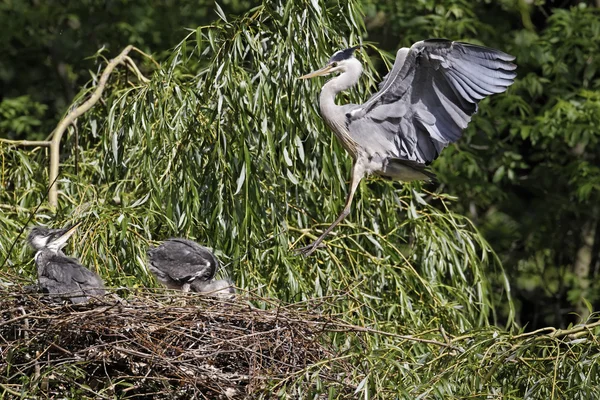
(71, 230)
(61, 241)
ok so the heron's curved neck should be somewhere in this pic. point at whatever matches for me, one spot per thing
(342, 82)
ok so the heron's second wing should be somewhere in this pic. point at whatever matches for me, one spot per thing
(429, 96)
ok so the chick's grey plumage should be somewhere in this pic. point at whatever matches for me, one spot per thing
(184, 265)
(59, 274)
(423, 104)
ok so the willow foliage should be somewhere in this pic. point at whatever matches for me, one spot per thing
(224, 145)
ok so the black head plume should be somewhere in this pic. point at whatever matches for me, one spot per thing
(342, 55)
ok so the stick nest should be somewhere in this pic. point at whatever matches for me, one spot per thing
(163, 345)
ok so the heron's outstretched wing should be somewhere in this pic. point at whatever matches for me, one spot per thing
(429, 96)
(183, 260)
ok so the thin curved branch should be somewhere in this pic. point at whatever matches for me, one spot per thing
(559, 333)
(72, 116)
(148, 56)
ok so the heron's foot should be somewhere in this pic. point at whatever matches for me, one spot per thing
(308, 250)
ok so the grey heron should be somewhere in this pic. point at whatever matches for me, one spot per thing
(59, 274)
(185, 265)
(423, 104)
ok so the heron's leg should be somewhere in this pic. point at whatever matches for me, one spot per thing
(358, 172)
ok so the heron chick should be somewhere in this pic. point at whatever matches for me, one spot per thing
(185, 265)
(58, 274)
(423, 104)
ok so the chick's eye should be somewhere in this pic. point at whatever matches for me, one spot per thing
(334, 64)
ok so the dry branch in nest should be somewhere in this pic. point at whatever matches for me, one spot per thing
(166, 345)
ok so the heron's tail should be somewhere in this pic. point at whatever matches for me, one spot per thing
(408, 170)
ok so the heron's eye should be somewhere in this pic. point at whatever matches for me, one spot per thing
(333, 64)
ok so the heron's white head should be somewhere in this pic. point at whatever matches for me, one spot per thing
(340, 61)
(52, 239)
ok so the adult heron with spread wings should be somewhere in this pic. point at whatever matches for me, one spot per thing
(423, 104)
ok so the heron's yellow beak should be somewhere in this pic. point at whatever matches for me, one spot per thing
(320, 72)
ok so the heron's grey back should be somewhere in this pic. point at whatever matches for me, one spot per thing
(59, 274)
(182, 261)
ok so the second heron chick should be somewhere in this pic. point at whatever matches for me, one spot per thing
(185, 265)
(58, 274)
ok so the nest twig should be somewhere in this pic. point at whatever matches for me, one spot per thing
(167, 345)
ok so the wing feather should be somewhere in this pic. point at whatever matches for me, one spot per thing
(487, 76)
(471, 94)
(451, 109)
